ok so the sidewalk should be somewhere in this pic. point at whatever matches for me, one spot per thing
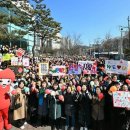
(30, 127)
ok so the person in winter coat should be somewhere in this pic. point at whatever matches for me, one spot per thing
(98, 109)
(33, 102)
(126, 117)
(42, 105)
(84, 108)
(69, 102)
(20, 106)
(55, 107)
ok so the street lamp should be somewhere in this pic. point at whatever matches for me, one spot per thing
(120, 45)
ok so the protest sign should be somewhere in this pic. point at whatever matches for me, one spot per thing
(20, 52)
(14, 61)
(58, 70)
(73, 69)
(89, 66)
(25, 61)
(18, 70)
(43, 68)
(0, 58)
(117, 66)
(121, 99)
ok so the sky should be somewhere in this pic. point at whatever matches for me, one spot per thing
(92, 19)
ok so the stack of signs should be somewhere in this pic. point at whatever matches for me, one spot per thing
(73, 69)
(90, 67)
(121, 99)
(117, 66)
(20, 61)
(43, 68)
(18, 70)
(58, 70)
(14, 61)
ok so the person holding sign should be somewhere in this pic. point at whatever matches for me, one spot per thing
(126, 117)
(114, 112)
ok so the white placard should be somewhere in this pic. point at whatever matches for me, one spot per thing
(89, 66)
(25, 61)
(121, 99)
(14, 61)
(117, 66)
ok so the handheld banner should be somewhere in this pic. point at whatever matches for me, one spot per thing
(58, 70)
(121, 99)
(43, 68)
(90, 67)
(117, 66)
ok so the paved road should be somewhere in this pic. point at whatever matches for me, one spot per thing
(29, 127)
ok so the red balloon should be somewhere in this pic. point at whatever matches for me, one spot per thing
(14, 92)
(79, 88)
(100, 96)
(105, 78)
(63, 88)
(47, 91)
(61, 98)
(127, 81)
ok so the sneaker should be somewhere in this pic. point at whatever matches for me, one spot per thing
(25, 123)
(22, 127)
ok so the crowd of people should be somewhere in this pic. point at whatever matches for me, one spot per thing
(83, 101)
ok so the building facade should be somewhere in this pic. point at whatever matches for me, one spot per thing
(27, 41)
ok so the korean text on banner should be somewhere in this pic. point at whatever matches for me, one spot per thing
(89, 66)
(116, 66)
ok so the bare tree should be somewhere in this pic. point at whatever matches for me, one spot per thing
(71, 45)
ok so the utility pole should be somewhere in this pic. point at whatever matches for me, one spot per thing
(120, 45)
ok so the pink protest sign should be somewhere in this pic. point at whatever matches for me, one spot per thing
(88, 67)
(121, 99)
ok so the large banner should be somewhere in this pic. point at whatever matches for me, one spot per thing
(89, 66)
(58, 70)
(121, 99)
(43, 68)
(117, 66)
(73, 69)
